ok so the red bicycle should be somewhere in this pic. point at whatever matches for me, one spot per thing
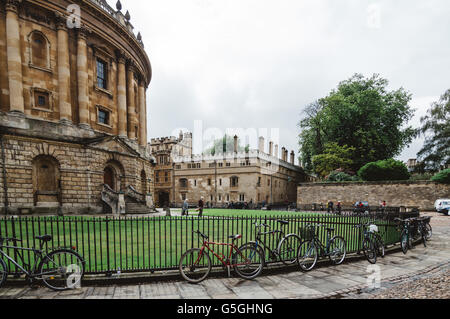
(195, 264)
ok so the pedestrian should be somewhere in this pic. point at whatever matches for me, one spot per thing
(201, 205)
(339, 208)
(330, 208)
(185, 209)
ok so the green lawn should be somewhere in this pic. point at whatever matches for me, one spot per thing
(133, 244)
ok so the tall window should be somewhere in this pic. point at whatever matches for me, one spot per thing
(234, 181)
(103, 117)
(39, 51)
(102, 74)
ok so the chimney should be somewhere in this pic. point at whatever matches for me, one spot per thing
(235, 144)
(283, 153)
(292, 158)
(271, 148)
(286, 155)
(261, 144)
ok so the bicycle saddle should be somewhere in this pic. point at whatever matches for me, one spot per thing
(283, 222)
(235, 237)
(45, 238)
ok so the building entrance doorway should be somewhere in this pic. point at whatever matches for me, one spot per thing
(163, 199)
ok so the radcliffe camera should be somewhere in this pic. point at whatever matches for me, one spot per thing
(224, 157)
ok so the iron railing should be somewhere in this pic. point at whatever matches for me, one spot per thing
(143, 244)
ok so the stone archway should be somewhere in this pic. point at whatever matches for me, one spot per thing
(113, 176)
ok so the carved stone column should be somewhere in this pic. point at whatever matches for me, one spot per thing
(65, 107)
(14, 57)
(132, 121)
(122, 95)
(142, 115)
(82, 74)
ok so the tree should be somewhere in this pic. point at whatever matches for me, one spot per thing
(387, 170)
(225, 145)
(435, 154)
(442, 177)
(361, 113)
(334, 157)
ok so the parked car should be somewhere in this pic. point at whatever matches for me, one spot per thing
(443, 207)
(440, 203)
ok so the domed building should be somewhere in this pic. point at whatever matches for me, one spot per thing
(73, 112)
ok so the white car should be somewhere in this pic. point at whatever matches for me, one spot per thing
(443, 206)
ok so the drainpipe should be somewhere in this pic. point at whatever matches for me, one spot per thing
(5, 182)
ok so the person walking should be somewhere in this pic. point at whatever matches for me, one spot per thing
(201, 205)
(339, 208)
(185, 209)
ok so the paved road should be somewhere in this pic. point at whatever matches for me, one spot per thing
(325, 282)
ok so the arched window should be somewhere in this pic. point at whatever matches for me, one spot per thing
(39, 50)
(46, 179)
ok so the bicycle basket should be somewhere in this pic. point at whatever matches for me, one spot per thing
(306, 233)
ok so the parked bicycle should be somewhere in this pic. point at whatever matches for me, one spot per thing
(286, 245)
(312, 248)
(420, 229)
(373, 244)
(60, 269)
(405, 239)
(195, 264)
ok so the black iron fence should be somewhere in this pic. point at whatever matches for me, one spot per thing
(143, 244)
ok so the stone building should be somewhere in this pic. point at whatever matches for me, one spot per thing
(164, 149)
(72, 109)
(255, 176)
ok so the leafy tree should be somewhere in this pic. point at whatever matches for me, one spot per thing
(436, 152)
(334, 157)
(386, 170)
(342, 177)
(442, 177)
(225, 145)
(361, 113)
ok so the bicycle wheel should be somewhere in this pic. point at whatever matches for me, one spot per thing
(404, 241)
(288, 249)
(370, 250)
(3, 272)
(62, 270)
(423, 232)
(337, 251)
(258, 247)
(429, 231)
(380, 246)
(195, 266)
(307, 255)
(248, 262)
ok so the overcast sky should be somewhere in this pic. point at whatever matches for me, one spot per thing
(258, 63)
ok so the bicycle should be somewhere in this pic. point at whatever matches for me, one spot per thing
(195, 264)
(421, 229)
(308, 252)
(287, 245)
(60, 269)
(373, 244)
(405, 238)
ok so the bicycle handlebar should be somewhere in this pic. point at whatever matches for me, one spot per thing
(15, 240)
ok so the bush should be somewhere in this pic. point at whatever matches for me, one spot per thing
(387, 170)
(442, 177)
(341, 177)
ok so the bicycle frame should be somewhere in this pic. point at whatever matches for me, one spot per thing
(324, 250)
(274, 253)
(226, 262)
(39, 254)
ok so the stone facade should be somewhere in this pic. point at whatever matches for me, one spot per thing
(72, 107)
(410, 194)
(164, 149)
(253, 176)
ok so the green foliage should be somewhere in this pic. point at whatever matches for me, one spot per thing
(436, 151)
(442, 177)
(361, 113)
(421, 177)
(342, 177)
(334, 157)
(225, 145)
(386, 170)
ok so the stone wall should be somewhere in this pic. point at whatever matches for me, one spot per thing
(410, 194)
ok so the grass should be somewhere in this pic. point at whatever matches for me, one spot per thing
(134, 244)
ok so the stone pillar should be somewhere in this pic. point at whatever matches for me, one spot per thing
(236, 141)
(82, 77)
(121, 96)
(286, 155)
(292, 158)
(276, 153)
(14, 57)
(142, 115)
(283, 154)
(131, 110)
(271, 148)
(65, 108)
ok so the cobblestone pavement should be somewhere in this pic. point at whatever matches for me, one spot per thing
(422, 273)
